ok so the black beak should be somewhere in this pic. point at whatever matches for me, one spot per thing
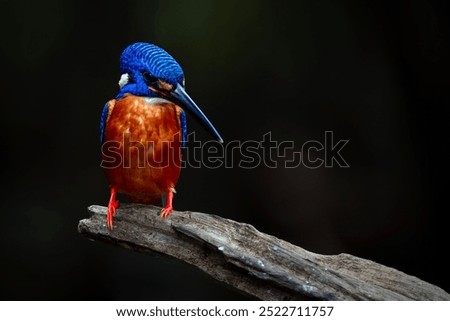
(179, 95)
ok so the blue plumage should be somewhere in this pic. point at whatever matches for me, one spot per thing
(103, 122)
(183, 125)
(143, 58)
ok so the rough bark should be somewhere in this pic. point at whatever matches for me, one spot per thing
(252, 262)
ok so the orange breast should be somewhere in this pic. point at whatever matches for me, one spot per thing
(143, 134)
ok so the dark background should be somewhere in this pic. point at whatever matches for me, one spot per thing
(373, 73)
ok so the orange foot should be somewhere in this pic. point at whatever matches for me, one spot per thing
(168, 208)
(112, 206)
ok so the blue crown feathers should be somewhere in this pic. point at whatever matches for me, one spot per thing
(143, 56)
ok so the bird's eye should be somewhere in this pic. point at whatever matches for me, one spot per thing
(149, 78)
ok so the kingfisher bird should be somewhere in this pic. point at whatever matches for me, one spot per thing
(143, 130)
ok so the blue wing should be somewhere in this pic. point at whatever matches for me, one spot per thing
(183, 125)
(103, 122)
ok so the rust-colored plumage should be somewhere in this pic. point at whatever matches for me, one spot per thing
(146, 134)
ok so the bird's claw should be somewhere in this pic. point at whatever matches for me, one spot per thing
(166, 211)
(168, 208)
(112, 207)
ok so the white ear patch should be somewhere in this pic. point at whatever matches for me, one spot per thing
(124, 78)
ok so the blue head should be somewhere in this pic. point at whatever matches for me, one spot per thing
(144, 66)
(150, 71)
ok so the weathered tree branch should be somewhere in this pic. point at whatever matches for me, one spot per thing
(255, 263)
